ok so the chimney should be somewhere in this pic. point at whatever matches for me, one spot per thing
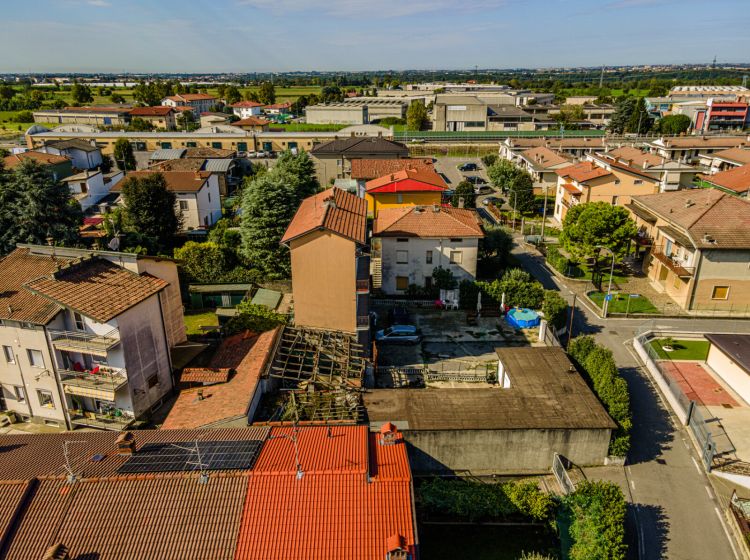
(125, 443)
(461, 202)
(329, 203)
(689, 203)
(646, 165)
(56, 552)
(436, 208)
(388, 433)
(396, 546)
(200, 394)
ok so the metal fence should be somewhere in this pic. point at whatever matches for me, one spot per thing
(561, 475)
(645, 341)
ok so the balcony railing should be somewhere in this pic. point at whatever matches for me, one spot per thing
(100, 385)
(74, 341)
(114, 420)
(363, 285)
(675, 265)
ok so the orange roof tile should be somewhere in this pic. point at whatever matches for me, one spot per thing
(191, 97)
(177, 181)
(543, 156)
(251, 121)
(11, 161)
(374, 168)
(205, 375)
(584, 171)
(158, 111)
(335, 210)
(407, 180)
(247, 355)
(416, 221)
(736, 179)
(735, 155)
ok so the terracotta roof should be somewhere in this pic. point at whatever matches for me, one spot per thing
(206, 152)
(407, 180)
(96, 288)
(713, 219)
(557, 143)
(347, 216)
(698, 142)
(158, 111)
(361, 145)
(183, 108)
(247, 104)
(251, 121)
(205, 375)
(374, 168)
(247, 355)
(41, 158)
(192, 165)
(278, 106)
(16, 302)
(417, 221)
(11, 496)
(177, 181)
(542, 156)
(735, 155)
(635, 156)
(736, 179)
(191, 97)
(584, 171)
(334, 510)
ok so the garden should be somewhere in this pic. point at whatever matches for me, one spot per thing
(623, 303)
(671, 349)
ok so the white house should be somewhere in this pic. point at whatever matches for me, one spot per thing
(729, 357)
(83, 340)
(83, 154)
(199, 102)
(197, 192)
(409, 243)
(245, 109)
(89, 187)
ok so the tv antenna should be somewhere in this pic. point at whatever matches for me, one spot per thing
(293, 438)
(68, 465)
(195, 448)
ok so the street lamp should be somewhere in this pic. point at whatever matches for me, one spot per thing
(515, 197)
(611, 273)
(544, 213)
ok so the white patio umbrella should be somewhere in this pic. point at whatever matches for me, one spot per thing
(479, 303)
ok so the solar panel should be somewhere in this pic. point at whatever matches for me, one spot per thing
(183, 456)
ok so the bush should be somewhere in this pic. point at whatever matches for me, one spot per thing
(597, 521)
(489, 160)
(467, 294)
(519, 288)
(555, 308)
(444, 279)
(255, 318)
(558, 261)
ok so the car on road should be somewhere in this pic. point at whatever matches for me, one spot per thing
(468, 166)
(399, 334)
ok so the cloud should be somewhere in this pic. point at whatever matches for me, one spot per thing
(381, 9)
(99, 3)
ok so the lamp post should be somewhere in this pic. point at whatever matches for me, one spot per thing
(544, 213)
(515, 197)
(611, 273)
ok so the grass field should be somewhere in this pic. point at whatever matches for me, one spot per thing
(619, 303)
(196, 319)
(683, 349)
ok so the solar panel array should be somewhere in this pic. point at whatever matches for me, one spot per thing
(183, 456)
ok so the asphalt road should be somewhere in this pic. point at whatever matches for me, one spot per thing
(673, 512)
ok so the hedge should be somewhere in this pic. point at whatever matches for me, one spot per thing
(596, 512)
(600, 368)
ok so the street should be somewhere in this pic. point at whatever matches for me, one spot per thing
(673, 512)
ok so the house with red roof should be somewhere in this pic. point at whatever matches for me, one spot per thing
(418, 186)
(197, 102)
(246, 109)
(327, 239)
(409, 242)
(160, 117)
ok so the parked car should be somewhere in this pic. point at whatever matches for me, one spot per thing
(496, 200)
(399, 334)
(468, 166)
(475, 180)
(399, 315)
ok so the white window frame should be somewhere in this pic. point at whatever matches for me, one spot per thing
(183, 205)
(43, 392)
(78, 321)
(428, 257)
(9, 355)
(20, 393)
(401, 254)
(31, 362)
(453, 255)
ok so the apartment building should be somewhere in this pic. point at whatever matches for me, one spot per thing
(410, 242)
(725, 159)
(59, 166)
(576, 147)
(542, 164)
(672, 175)
(408, 187)
(689, 149)
(163, 117)
(89, 187)
(84, 340)
(198, 102)
(327, 239)
(333, 159)
(697, 247)
(83, 154)
(721, 115)
(246, 109)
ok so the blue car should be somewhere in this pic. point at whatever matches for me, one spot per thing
(399, 334)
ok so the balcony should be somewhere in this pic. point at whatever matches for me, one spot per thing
(102, 385)
(97, 344)
(675, 265)
(115, 420)
(363, 286)
(363, 321)
(643, 239)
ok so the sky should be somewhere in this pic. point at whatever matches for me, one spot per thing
(287, 35)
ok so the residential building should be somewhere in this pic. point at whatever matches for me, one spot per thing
(734, 181)
(274, 493)
(327, 239)
(729, 357)
(576, 147)
(722, 115)
(89, 187)
(223, 163)
(197, 192)
(253, 124)
(725, 159)
(672, 175)
(84, 339)
(83, 154)
(600, 180)
(333, 159)
(277, 109)
(410, 242)
(198, 102)
(698, 247)
(542, 164)
(96, 116)
(161, 117)
(59, 166)
(246, 109)
(409, 187)
(689, 148)
(363, 170)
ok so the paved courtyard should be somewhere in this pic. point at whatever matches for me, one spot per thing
(698, 385)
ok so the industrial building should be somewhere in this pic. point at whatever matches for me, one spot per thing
(357, 110)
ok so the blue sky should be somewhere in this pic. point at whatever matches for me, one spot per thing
(281, 35)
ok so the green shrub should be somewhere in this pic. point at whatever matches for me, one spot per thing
(555, 308)
(254, 317)
(489, 159)
(597, 521)
(519, 288)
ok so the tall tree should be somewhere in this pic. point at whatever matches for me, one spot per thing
(621, 117)
(267, 93)
(591, 225)
(81, 93)
(464, 190)
(150, 209)
(673, 124)
(232, 94)
(416, 116)
(34, 208)
(302, 168)
(124, 156)
(521, 191)
(640, 121)
(501, 172)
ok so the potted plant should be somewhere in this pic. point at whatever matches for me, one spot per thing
(668, 344)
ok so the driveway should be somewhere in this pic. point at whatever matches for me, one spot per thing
(448, 167)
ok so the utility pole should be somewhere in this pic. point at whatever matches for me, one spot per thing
(570, 325)
(601, 78)
(544, 213)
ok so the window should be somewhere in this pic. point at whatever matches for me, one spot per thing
(617, 181)
(209, 196)
(402, 282)
(400, 198)
(456, 240)
(78, 320)
(9, 356)
(35, 358)
(153, 381)
(428, 282)
(428, 257)
(183, 205)
(638, 182)
(20, 393)
(614, 200)
(45, 398)
(402, 257)
(402, 240)
(456, 257)
(720, 292)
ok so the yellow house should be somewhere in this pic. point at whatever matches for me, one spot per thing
(409, 187)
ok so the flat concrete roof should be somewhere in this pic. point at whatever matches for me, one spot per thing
(736, 346)
(546, 392)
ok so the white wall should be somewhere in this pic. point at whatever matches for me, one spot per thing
(206, 203)
(732, 374)
(80, 158)
(96, 189)
(245, 112)
(417, 268)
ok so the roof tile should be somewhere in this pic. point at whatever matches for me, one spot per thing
(416, 221)
(346, 216)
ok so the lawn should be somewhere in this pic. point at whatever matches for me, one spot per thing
(438, 542)
(619, 303)
(683, 349)
(583, 272)
(196, 319)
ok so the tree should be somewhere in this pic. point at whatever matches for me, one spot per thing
(624, 109)
(124, 156)
(569, 115)
(232, 95)
(416, 115)
(210, 262)
(302, 168)
(150, 208)
(501, 173)
(597, 511)
(521, 191)
(464, 190)
(444, 279)
(34, 208)
(117, 98)
(489, 160)
(267, 93)
(673, 124)
(25, 117)
(555, 308)
(591, 225)
(255, 318)
(81, 93)
(138, 124)
(6, 92)
(519, 289)
(640, 121)
(497, 243)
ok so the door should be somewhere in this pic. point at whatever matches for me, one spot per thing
(242, 146)
(226, 300)
(663, 273)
